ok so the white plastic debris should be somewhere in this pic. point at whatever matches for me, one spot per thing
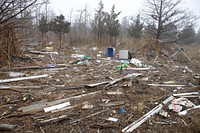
(56, 107)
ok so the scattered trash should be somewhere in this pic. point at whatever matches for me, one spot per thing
(112, 119)
(145, 117)
(136, 62)
(122, 111)
(50, 65)
(123, 54)
(88, 106)
(56, 107)
(163, 113)
(184, 112)
(15, 74)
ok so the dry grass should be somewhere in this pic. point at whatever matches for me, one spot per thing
(9, 46)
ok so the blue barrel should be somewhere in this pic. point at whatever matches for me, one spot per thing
(110, 52)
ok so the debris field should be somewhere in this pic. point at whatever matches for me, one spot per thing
(82, 91)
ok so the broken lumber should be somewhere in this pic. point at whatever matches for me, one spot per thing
(186, 94)
(182, 52)
(97, 84)
(23, 78)
(116, 103)
(145, 117)
(41, 106)
(133, 75)
(166, 85)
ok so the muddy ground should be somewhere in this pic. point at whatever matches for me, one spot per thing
(132, 103)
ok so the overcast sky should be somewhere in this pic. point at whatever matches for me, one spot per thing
(128, 7)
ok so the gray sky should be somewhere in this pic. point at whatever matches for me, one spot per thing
(128, 7)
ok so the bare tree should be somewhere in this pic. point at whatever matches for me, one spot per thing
(164, 18)
(13, 15)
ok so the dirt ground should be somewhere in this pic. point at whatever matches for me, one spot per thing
(134, 99)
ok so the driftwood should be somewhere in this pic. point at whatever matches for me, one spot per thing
(41, 106)
(6, 127)
(133, 75)
(23, 78)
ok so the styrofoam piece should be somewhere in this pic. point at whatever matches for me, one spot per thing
(123, 54)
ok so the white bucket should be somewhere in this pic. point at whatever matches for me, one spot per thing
(123, 54)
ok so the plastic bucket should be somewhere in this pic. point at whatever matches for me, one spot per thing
(123, 54)
(110, 52)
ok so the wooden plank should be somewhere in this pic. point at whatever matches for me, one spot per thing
(166, 85)
(41, 106)
(97, 84)
(116, 103)
(23, 78)
(6, 127)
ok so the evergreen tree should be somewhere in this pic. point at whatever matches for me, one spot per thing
(136, 28)
(99, 23)
(60, 26)
(43, 25)
(198, 37)
(187, 35)
(113, 25)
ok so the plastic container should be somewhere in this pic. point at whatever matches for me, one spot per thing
(110, 52)
(123, 54)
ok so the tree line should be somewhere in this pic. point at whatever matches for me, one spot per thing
(161, 20)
